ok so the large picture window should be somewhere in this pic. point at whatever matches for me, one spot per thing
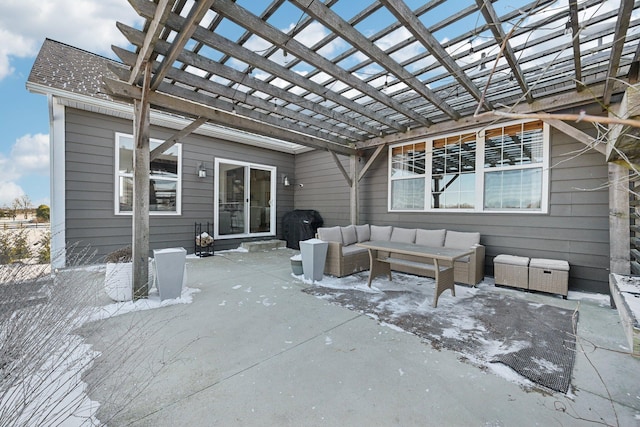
(164, 179)
(498, 169)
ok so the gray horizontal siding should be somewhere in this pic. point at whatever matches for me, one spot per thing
(324, 187)
(576, 228)
(90, 219)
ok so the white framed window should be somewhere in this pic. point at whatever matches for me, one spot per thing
(165, 180)
(499, 169)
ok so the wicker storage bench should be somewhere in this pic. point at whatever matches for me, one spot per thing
(511, 270)
(549, 275)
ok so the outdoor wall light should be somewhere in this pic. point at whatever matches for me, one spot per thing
(285, 181)
(202, 171)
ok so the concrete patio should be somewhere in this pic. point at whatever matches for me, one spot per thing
(253, 350)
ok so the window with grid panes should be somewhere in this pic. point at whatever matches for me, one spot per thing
(498, 169)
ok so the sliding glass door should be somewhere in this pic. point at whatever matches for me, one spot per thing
(245, 195)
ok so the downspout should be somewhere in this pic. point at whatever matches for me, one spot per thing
(57, 191)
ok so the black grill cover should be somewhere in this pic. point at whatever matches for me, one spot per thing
(300, 224)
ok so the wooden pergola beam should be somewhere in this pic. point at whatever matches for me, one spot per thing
(372, 159)
(565, 101)
(622, 25)
(186, 107)
(230, 48)
(177, 137)
(336, 133)
(329, 18)
(244, 18)
(575, 32)
(190, 25)
(402, 12)
(141, 172)
(341, 168)
(490, 15)
(152, 34)
(214, 68)
(578, 135)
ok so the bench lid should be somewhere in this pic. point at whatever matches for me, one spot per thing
(511, 260)
(550, 264)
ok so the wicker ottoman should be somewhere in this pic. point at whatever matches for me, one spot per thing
(549, 275)
(511, 270)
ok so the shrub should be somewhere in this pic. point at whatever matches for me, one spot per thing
(120, 255)
(14, 246)
(44, 253)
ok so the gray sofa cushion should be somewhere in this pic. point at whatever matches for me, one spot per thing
(403, 235)
(330, 234)
(363, 232)
(461, 239)
(348, 235)
(430, 237)
(381, 232)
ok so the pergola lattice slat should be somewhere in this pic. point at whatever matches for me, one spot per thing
(420, 32)
(435, 83)
(495, 26)
(210, 86)
(242, 17)
(338, 25)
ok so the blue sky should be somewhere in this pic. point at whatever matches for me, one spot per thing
(24, 117)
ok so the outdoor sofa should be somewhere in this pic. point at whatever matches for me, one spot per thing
(345, 258)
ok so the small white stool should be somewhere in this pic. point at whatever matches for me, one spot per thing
(511, 270)
(549, 275)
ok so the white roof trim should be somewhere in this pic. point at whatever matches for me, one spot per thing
(122, 110)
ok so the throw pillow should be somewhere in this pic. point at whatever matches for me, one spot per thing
(330, 234)
(403, 235)
(381, 232)
(363, 232)
(430, 237)
(348, 235)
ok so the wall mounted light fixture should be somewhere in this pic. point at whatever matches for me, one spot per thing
(202, 171)
(285, 181)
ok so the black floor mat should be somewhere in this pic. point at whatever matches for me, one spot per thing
(535, 340)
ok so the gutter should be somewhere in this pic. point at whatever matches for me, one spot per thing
(118, 109)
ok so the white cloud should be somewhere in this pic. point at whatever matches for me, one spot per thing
(314, 33)
(87, 24)
(9, 191)
(29, 156)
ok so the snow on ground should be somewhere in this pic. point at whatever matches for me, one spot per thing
(57, 391)
(153, 301)
(461, 326)
(630, 286)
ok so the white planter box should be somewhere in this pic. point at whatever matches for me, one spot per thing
(314, 255)
(118, 281)
(170, 271)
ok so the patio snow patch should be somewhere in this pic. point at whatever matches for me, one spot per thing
(625, 291)
(537, 341)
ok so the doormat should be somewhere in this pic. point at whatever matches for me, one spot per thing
(535, 340)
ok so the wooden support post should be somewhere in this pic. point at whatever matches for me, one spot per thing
(141, 172)
(355, 214)
(619, 240)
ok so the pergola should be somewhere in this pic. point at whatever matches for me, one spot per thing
(347, 76)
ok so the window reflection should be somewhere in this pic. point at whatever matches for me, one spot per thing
(163, 180)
